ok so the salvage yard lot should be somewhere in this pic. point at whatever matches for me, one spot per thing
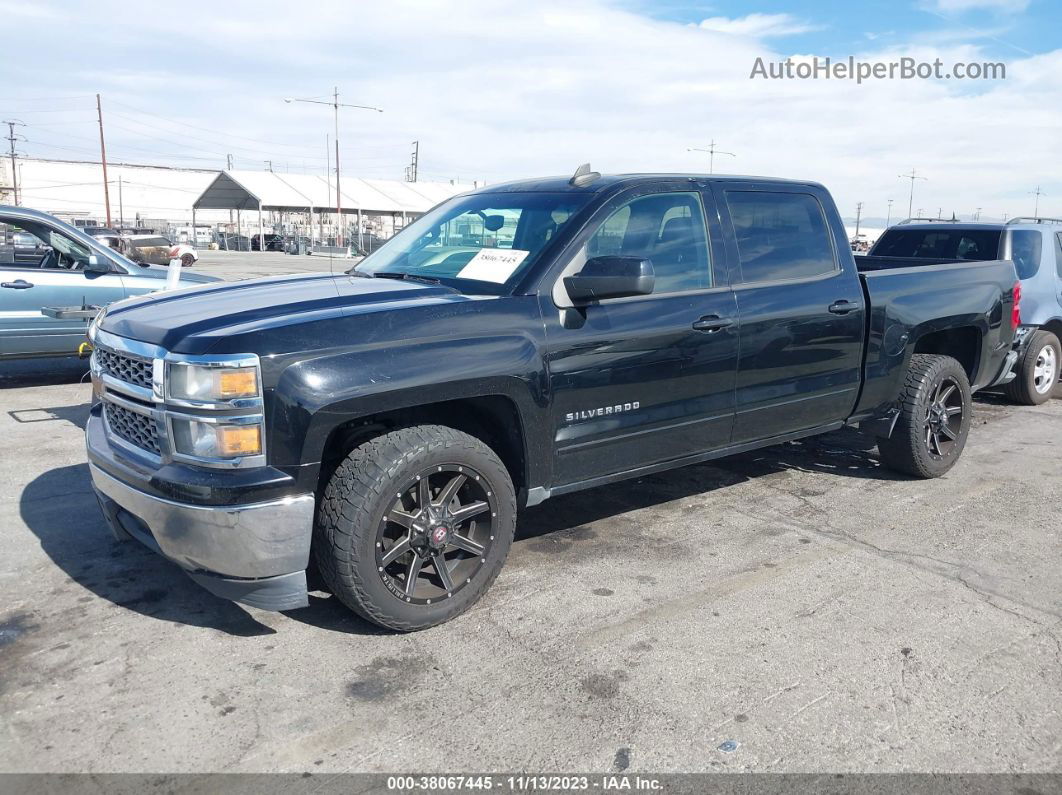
(818, 611)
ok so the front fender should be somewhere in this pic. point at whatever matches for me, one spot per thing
(316, 395)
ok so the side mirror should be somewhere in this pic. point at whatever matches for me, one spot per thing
(610, 277)
(97, 264)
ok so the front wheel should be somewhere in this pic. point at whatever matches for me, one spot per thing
(935, 413)
(414, 526)
(1038, 370)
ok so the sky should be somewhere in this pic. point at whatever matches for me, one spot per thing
(508, 89)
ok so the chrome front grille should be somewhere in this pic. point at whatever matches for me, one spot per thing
(125, 368)
(135, 428)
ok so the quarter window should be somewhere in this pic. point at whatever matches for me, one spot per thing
(1025, 245)
(780, 236)
(665, 228)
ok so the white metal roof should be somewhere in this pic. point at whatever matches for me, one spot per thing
(246, 190)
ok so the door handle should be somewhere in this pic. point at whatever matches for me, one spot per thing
(18, 284)
(843, 307)
(711, 323)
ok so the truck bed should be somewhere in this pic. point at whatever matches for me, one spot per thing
(869, 262)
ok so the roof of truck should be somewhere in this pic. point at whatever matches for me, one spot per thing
(606, 181)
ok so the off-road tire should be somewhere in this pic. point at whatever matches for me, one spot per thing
(1023, 388)
(906, 450)
(362, 489)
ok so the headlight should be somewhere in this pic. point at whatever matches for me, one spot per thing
(216, 439)
(212, 382)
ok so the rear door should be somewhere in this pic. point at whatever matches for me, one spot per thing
(800, 305)
(644, 379)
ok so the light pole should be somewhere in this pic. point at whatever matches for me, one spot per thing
(888, 218)
(711, 152)
(336, 105)
(910, 201)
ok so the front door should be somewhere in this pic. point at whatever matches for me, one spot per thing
(56, 279)
(645, 379)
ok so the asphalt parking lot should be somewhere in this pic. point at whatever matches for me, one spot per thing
(797, 605)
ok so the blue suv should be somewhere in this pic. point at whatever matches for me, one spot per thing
(1035, 246)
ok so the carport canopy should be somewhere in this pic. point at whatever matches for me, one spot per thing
(268, 190)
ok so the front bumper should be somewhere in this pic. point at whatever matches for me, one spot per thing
(255, 553)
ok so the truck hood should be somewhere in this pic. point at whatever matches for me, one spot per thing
(192, 320)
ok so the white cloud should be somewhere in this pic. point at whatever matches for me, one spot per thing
(503, 89)
(959, 6)
(758, 26)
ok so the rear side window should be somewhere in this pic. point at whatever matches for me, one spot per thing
(1058, 254)
(973, 244)
(780, 236)
(1025, 246)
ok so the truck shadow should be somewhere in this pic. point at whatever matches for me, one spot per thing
(845, 452)
(59, 507)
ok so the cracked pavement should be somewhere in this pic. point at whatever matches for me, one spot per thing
(799, 603)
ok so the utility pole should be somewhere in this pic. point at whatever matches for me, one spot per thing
(910, 201)
(121, 209)
(977, 215)
(1038, 193)
(328, 179)
(888, 218)
(859, 215)
(919, 212)
(711, 152)
(11, 137)
(103, 159)
(411, 169)
(269, 164)
(1004, 217)
(228, 162)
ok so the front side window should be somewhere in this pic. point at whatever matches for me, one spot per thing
(37, 245)
(780, 236)
(476, 243)
(665, 228)
(1025, 245)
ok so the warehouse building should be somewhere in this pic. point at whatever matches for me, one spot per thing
(170, 200)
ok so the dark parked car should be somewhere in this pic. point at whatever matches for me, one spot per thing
(272, 243)
(366, 244)
(391, 420)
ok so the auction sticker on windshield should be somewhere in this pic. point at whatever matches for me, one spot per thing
(493, 264)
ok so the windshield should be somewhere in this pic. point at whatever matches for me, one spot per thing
(973, 244)
(478, 243)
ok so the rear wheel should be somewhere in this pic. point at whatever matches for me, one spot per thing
(1038, 370)
(414, 526)
(935, 413)
(187, 260)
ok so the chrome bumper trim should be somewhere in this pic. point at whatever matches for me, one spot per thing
(255, 540)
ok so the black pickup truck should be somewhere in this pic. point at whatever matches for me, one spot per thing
(525, 340)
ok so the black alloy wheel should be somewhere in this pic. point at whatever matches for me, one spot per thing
(437, 532)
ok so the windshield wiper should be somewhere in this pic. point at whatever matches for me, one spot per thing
(406, 277)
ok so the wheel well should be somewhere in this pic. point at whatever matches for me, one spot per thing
(1054, 326)
(962, 344)
(494, 420)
